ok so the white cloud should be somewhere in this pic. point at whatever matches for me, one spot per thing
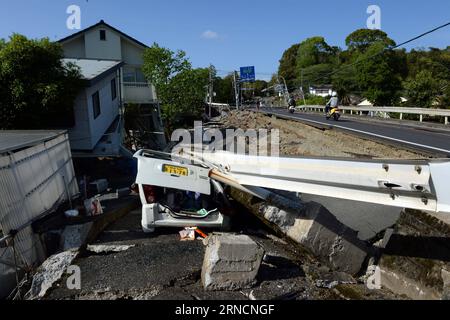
(210, 35)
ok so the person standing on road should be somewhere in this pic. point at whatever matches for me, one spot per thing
(332, 103)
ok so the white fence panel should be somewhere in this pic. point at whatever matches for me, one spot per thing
(32, 182)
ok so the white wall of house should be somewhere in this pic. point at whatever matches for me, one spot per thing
(108, 49)
(132, 53)
(115, 47)
(75, 48)
(80, 135)
(89, 130)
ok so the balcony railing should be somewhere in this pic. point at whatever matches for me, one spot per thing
(138, 92)
(136, 85)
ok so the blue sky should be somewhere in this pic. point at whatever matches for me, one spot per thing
(231, 33)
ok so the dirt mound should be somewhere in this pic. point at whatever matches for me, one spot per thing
(297, 139)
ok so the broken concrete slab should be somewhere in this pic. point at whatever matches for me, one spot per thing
(368, 219)
(50, 272)
(328, 239)
(108, 248)
(446, 279)
(75, 236)
(312, 227)
(231, 262)
(413, 261)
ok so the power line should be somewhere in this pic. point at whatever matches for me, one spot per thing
(382, 51)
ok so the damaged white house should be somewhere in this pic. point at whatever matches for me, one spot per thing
(111, 63)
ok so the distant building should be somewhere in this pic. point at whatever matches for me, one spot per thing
(322, 91)
(111, 61)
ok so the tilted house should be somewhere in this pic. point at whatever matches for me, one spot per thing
(107, 58)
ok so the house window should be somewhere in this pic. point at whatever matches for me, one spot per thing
(96, 104)
(103, 35)
(129, 75)
(113, 89)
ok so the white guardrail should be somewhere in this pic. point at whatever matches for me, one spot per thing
(420, 185)
(385, 110)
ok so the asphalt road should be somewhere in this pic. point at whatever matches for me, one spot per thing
(419, 138)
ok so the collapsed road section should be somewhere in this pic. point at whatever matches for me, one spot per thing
(313, 250)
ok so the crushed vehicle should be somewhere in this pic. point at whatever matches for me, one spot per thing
(175, 195)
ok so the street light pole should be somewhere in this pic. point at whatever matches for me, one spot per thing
(286, 91)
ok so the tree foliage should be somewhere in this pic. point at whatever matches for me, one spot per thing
(370, 68)
(180, 89)
(362, 39)
(37, 89)
(377, 75)
(162, 64)
(422, 89)
(287, 68)
(224, 88)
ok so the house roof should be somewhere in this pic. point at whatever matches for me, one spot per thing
(102, 23)
(93, 70)
(12, 140)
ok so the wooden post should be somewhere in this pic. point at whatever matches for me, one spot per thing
(421, 118)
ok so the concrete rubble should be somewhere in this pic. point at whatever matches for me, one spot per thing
(416, 260)
(50, 272)
(108, 248)
(446, 289)
(311, 226)
(231, 262)
(74, 237)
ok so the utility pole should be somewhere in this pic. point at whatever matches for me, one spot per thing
(301, 88)
(286, 90)
(236, 89)
(211, 89)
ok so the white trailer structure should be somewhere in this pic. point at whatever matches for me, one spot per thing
(36, 176)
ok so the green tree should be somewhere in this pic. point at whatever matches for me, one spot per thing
(287, 67)
(37, 89)
(180, 89)
(362, 39)
(224, 89)
(378, 76)
(183, 99)
(315, 60)
(422, 90)
(162, 64)
(314, 51)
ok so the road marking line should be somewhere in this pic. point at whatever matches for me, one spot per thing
(367, 133)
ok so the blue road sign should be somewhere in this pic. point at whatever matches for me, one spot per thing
(248, 74)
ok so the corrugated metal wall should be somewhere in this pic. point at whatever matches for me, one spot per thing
(33, 181)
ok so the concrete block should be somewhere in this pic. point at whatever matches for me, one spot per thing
(73, 237)
(446, 288)
(319, 231)
(231, 262)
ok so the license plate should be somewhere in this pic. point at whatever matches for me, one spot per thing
(174, 170)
